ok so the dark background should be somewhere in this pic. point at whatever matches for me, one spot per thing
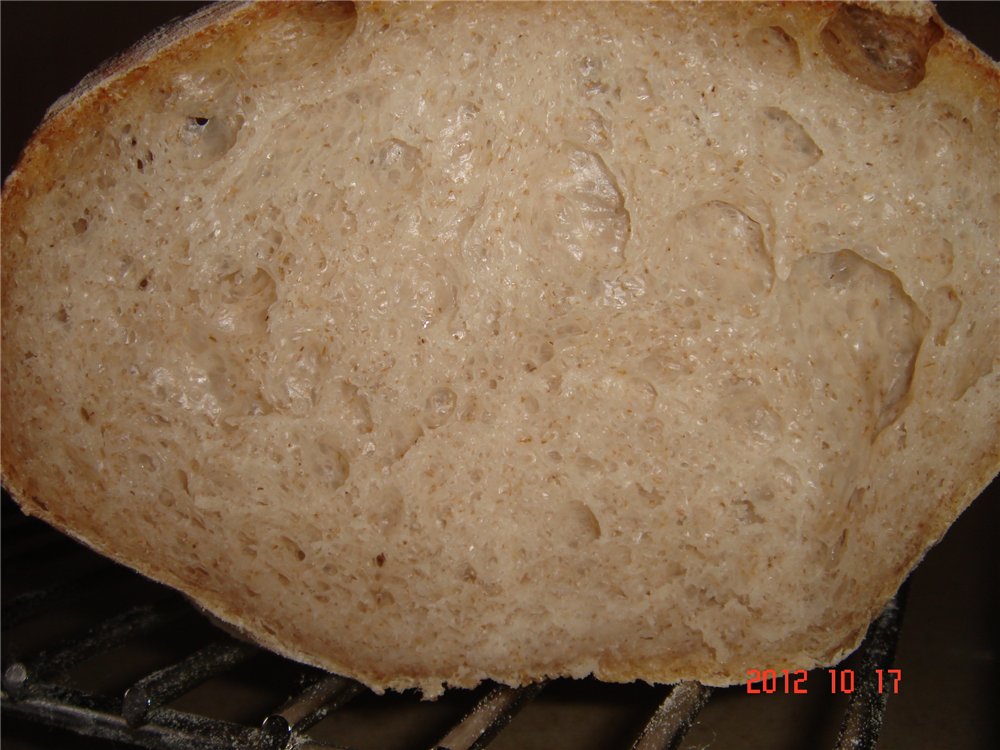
(950, 648)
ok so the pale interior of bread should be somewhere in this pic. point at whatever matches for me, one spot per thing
(430, 345)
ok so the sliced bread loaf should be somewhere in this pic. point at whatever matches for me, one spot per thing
(430, 344)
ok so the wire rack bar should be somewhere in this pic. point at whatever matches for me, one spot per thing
(108, 634)
(309, 707)
(168, 730)
(488, 717)
(168, 683)
(862, 721)
(673, 717)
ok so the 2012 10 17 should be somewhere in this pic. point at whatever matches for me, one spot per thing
(772, 681)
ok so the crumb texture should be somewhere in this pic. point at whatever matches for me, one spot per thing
(439, 343)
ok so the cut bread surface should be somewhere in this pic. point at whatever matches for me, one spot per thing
(431, 344)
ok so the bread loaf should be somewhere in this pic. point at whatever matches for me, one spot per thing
(430, 344)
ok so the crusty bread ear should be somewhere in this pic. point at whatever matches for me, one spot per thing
(435, 344)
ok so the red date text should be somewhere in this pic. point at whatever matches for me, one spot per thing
(771, 681)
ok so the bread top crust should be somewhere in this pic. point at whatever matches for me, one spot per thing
(922, 371)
